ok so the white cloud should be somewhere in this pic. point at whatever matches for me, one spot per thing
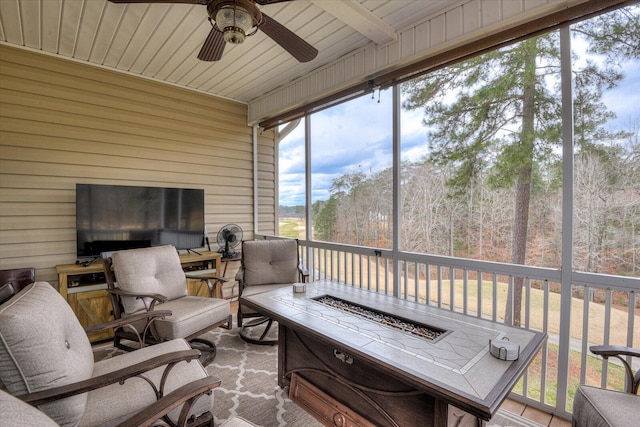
(351, 136)
(358, 134)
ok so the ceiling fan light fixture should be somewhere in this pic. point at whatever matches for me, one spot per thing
(234, 21)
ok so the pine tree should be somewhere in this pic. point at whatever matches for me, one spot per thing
(497, 117)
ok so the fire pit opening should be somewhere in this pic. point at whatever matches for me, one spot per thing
(409, 326)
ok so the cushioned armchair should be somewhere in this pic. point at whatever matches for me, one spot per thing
(596, 407)
(148, 279)
(46, 360)
(266, 265)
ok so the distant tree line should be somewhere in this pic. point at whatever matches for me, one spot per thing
(478, 223)
(292, 211)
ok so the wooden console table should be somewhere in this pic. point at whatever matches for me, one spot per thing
(346, 369)
(84, 288)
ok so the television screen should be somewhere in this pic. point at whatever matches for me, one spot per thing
(116, 217)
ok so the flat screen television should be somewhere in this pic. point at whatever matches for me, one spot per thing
(117, 217)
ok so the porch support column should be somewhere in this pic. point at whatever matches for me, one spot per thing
(256, 206)
(397, 216)
(567, 217)
(307, 178)
(307, 194)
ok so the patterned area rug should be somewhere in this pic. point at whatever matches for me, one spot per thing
(250, 388)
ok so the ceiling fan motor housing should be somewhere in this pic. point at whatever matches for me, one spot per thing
(236, 19)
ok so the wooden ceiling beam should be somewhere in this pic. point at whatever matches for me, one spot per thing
(360, 19)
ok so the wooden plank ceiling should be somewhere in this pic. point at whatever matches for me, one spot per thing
(161, 40)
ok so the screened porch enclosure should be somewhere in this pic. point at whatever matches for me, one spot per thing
(566, 285)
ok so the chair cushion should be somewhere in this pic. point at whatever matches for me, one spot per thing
(269, 261)
(596, 407)
(42, 345)
(189, 315)
(154, 270)
(112, 404)
(17, 413)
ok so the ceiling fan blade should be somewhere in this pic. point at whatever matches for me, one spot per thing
(213, 46)
(161, 1)
(297, 47)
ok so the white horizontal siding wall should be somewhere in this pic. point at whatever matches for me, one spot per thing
(459, 24)
(62, 122)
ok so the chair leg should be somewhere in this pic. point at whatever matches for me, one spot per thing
(254, 323)
(229, 324)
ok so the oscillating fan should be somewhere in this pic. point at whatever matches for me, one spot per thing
(229, 237)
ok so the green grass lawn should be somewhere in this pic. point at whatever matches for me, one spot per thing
(290, 228)
(593, 375)
(538, 307)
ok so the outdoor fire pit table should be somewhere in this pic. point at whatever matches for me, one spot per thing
(355, 356)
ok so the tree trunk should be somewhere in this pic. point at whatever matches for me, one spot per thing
(523, 184)
(519, 240)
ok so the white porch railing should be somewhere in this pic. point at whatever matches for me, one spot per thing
(604, 309)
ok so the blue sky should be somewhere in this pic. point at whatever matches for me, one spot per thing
(357, 136)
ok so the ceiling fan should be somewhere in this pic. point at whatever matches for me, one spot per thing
(234, 20)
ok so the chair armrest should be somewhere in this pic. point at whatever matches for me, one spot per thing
(632, 381)
(121, 375)
(240, 279)
(613, 350)
(127, 320)
(211, 288)
(122, 293)
(204, 276)
(155, 298)
(7, 291)
(13, 280)
(207, 280)
(188, 393)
